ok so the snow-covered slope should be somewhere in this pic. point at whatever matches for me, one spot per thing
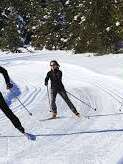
(96, 80)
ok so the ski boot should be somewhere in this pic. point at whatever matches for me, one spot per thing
(54, 115)
(77, 114)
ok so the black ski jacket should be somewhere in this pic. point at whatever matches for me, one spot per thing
(56, 79)
(5, 75)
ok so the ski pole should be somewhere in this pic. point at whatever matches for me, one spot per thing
(81, 101)
(49, 98)
(22, 104)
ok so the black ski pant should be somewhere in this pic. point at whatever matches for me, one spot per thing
(10, 115)
(64, 95)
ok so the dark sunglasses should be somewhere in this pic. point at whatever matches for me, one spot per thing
(53, 65)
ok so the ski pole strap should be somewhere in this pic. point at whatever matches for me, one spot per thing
(81, 100)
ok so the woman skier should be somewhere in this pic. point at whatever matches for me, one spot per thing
(57, 87)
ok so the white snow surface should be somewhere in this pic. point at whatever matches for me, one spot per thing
(69, 140)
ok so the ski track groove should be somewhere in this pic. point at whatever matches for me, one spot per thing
(106, 90)
(74, 125)
(28, 101)
(110, 92)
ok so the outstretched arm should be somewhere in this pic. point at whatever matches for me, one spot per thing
(6, 77)
(47, 78)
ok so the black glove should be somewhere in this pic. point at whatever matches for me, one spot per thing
(9, 85)
(46, 84)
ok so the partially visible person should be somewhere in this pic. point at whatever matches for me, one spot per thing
(3, 105)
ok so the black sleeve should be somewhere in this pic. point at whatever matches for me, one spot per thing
(59, 75)
(5, 75)
(47, 77)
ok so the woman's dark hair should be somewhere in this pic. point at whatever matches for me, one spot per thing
(54, 61)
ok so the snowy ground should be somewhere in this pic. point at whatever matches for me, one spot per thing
(69, 140)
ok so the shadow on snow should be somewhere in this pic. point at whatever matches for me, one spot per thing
(66, 134)
(12, 95)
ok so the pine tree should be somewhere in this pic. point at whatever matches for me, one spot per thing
(51, 27)
(82, 26)
(95, 22)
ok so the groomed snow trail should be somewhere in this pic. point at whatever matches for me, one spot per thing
(68, 140)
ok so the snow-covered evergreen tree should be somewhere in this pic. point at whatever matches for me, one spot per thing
(82, 26)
